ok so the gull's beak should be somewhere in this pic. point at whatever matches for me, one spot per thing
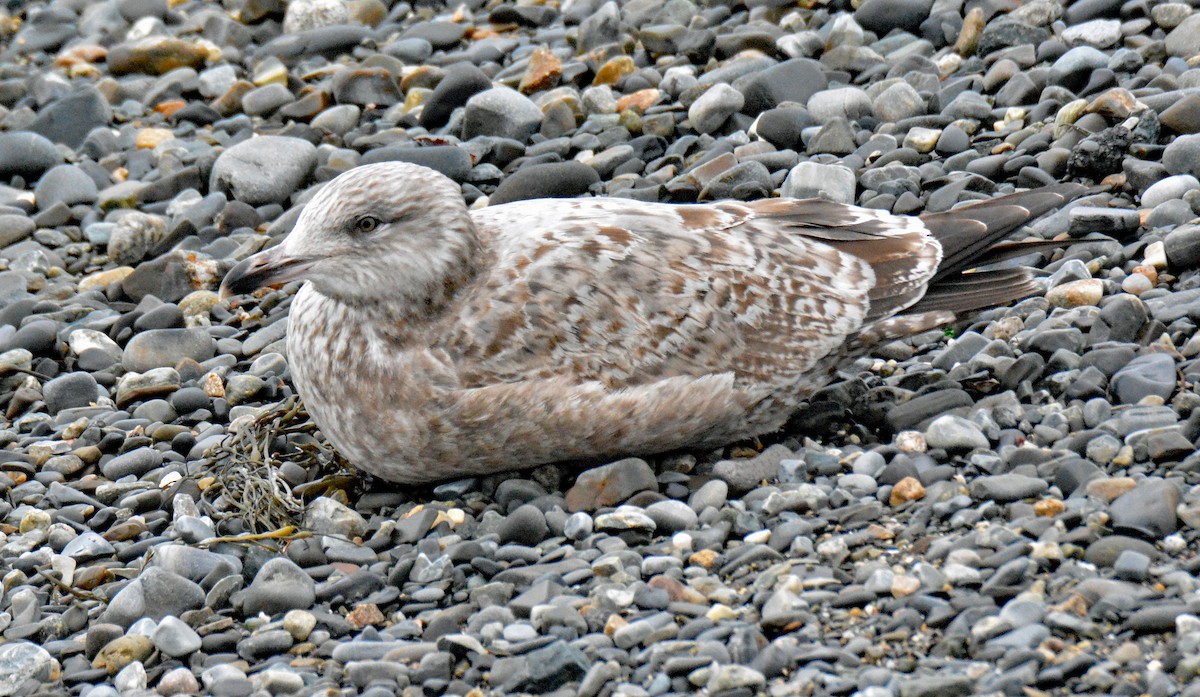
(267, 268)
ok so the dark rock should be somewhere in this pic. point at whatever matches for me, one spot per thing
(1151, 374)
(546, 180)
(795, 80)
(26, 154)
(70, 391)
(69, 119)
(452, 161)
(1147, 511)
(461, 82)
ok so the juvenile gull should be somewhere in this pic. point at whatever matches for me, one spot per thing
(432, 342)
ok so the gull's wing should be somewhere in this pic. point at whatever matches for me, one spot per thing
(627, 293)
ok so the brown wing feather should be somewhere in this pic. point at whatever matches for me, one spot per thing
(899, 249)
(650, 291)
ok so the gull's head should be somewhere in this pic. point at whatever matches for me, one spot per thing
(386, 232)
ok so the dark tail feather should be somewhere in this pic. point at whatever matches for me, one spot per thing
(977, 290)
(971, 236)
(967, 232)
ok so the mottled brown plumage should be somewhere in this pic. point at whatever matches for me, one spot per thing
(431, 342)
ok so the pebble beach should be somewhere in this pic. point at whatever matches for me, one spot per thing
(1009, 505)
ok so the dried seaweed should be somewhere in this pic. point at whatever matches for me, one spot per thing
(244, 466)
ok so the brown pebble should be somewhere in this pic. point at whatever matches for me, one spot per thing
(365, 614)
(1048, 508)
(543, 72)
(907, 489)
(122, 651)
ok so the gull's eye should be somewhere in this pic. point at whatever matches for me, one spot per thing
(366, 223)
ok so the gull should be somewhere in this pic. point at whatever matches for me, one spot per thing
(433, 342)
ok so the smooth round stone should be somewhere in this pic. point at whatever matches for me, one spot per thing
(1097, 33)
(135, 462)
(339, 119)
(70, 391)
(179, 681)
(412, 50)
(1182, 247)
(265, 643)
(264, 169)
(881, 16)
(175, 638)
(366, 87)
(858, 484)
(501, 112)
(242, 388)
(955, 434)
(452, 161)
(1182, 155)
(850, 103)
(327, 516)
(713, 494)
(440, 34)
(795, 80)
(266, 99)
(814, 180)
(783, 127)
(155, 594)
(1006, 488)
(898, 102)
(69, 119)
(189, 399)
(1169, 188)
(525, 526)
(279, 586)
(610, 484)
(1169, 214)
(547, 180)
(65, 184)
(14, 228)
(1184, 39)
(38, 337)
(1182, 116)
(165, 316)
(160, 348)
(1147, 375)
(26, 154)
(461, 82)
(1106, 550)
(1147, 511)
(1132, 566)
(578, 526)
(671, 516)
(1087, 291)
(952, 140)
(1169, 15)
